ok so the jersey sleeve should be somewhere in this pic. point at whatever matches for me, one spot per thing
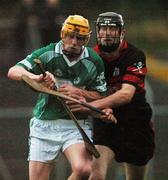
(29, 64)
(136, 70)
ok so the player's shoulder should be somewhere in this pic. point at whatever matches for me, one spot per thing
(133, 53)
(134, 50)
(93, 55)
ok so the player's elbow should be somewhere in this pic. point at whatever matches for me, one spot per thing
(10, 73)
(13, 73)
(127, 92)
(127, 97)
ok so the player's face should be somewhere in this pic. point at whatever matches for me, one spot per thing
(73, 43)
(109, 35)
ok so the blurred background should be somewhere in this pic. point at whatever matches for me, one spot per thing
(29, 24)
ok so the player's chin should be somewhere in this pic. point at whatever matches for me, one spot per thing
(74, 50)
(108, 43)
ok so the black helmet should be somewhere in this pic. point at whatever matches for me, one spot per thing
(110, 19)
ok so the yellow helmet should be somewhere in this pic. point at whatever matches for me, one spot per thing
(77, 24)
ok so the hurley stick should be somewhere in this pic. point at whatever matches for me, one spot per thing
(89, 145)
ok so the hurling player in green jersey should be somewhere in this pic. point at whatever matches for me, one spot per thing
(77, 68)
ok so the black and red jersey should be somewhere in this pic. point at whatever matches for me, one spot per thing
(129, 67)
(132, 138)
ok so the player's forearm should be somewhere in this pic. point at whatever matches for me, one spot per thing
(16, 73)
(121, 97)
(90, 95)
(117, 99)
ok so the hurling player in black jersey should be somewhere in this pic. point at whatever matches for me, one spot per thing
(131, 140)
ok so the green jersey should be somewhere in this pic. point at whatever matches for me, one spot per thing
(86, 72)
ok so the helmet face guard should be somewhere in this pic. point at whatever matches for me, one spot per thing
(112, 20)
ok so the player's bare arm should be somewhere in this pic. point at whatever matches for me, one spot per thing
(16, 72)
(75, 92)
(121, 97)
(107, 116)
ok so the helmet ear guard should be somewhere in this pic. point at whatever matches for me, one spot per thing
(78, 25)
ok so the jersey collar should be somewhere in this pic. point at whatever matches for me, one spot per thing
(58, 50)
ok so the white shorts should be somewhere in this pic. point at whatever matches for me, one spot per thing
(50, 137)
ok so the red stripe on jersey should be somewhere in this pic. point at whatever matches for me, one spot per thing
(135, 70)
(134, 79)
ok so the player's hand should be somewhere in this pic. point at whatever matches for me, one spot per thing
(48, 80)
(38, 78)
(108, 116)
(69, 90)
(76, 107)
